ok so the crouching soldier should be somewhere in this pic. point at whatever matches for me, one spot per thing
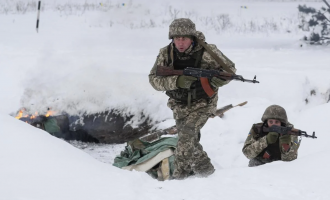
(265, 147)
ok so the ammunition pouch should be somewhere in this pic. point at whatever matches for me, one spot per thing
(195, 93)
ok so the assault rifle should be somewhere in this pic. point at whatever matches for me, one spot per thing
(203, 75)
(173, 130)
(288, 131)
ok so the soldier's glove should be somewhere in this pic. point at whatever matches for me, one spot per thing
(185, 81)
(271, 137)
(217, 82)
(285, 142)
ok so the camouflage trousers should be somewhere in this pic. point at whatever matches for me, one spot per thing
(189, 155)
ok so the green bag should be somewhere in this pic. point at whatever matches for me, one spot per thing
(51, 126)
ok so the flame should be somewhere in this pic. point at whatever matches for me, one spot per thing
(19, 115)
(34, 116)
(49, 113)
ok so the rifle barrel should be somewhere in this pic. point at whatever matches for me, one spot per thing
(240, 78)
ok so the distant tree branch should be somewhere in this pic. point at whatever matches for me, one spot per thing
(326, 3)
(324, 38)
(325, 17)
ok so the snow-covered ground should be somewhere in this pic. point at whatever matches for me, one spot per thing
(97, 59)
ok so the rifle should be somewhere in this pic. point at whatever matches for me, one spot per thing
(203, 75)
(173, 130)
(288, 131)
(157, 134)
(224, 109)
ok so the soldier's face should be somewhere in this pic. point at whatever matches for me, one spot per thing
(182, 43)
(272, 122)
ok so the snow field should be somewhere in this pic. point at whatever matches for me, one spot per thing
(78, 63)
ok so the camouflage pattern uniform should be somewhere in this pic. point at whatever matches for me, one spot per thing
(256, 146)
(189, 155)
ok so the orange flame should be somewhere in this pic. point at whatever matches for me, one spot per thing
(19, 115)
(49, 113)
(34, 116)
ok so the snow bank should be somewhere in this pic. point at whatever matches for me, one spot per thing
(36, 165)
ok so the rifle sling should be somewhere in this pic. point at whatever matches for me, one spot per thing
(189, 99)
(217, 58)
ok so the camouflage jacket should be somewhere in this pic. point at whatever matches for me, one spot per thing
(169, 82)
(255, 145)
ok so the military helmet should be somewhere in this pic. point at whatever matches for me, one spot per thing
(182, 27)
(275, 112)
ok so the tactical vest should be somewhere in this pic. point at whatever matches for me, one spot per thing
(272, 149)
(196, 90)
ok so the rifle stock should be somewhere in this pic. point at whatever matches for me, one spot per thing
(166, 71)
(224, 109)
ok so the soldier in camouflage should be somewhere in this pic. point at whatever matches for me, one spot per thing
(262, 148)
(190, 104)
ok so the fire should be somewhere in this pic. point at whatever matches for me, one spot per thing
(34, 116)
(49, 113)
(19, 115)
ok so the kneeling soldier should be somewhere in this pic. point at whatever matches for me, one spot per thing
(265, 147)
